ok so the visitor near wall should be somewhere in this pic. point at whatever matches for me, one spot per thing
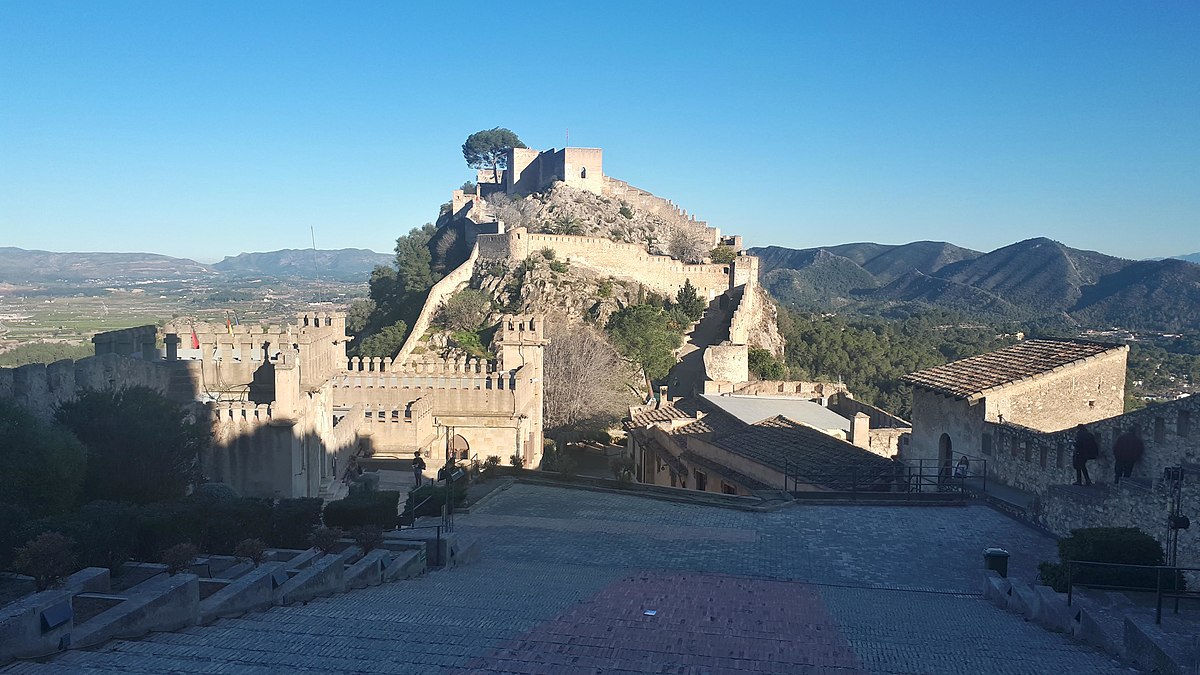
(418, 466)
(1086, 449)
(1127, 451)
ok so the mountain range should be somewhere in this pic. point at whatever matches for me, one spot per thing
(1031, 279)
(21, 266)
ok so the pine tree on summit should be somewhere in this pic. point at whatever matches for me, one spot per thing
(486, 149)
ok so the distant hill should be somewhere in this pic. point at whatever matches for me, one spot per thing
(1191, 257)
(1034, 278)
(24, 266)
(342, 264)
(21, 266)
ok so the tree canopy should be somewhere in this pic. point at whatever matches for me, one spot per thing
(397, 294)
(487, 149)
(587, 381)
(644, 335)
(141, 447)
(43, 464)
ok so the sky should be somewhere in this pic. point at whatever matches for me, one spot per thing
(205, 129)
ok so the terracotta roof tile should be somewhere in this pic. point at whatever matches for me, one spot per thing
(972, 376)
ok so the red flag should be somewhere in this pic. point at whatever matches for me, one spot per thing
(195, 340)
(228, 324)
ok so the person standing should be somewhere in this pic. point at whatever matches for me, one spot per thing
(1127, 451)
(418, 468)
(1086, 449)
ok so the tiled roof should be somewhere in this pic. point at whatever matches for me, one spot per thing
(802, 451)
(665, 413)
(972, 376)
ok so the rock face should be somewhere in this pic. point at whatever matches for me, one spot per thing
(566, 210)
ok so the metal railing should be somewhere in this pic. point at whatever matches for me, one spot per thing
(1169, 582)
(900, 477)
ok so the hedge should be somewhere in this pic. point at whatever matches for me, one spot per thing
(431, 498)
(1121, 545)
(364, 508)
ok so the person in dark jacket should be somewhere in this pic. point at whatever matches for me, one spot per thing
(418, 467)
(1086, 449)
(1127, 451)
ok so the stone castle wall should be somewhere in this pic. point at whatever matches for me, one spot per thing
(663, 208)
(440, 293)
(40, 388)
(660, 273)
(1034, 461)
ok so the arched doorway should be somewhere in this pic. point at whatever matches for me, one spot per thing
(945, 455)
(460, 448)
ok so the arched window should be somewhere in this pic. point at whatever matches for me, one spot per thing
(583, 172)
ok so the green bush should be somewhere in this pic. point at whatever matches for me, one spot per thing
(251, 550)
(325, 539)
(626, 212)
(44, 464)
(559, 266)
(1120, 545)
(227, 523)
(367, 508)
(548, 253)
(179, 557)
(293, 522)
(48, 559)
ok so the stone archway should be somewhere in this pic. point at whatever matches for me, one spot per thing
(945, 454)
(460, 448)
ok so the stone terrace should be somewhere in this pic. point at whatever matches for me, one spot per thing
(567, 575)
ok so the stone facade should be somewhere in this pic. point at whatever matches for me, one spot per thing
(1076, 393)
(287, 406)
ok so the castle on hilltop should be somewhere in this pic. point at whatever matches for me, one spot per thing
(288, 407)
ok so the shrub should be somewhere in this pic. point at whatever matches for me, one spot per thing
(227, 523)
(722, 255)
(606, 288)
(469, 342)
(48, 559)
(1121, 545)
(489, 465)
(367, 508)
(626, 212)
(105, 533)
(566, 465)
(516, 460)
(179, 557)
(165, 524)
(622, 468)
(253, 550)
(466, 310)
(548, 253)
(764, 365)
(559, 266)
(215, 492)
(324, 539)
(367, 537)
(293, 521)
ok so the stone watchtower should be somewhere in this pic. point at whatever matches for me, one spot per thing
(520, 344)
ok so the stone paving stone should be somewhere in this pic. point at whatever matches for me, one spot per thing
(565, 573)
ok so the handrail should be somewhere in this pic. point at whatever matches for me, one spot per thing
(1159, 591)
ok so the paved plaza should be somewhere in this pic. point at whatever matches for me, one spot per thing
(574, 581)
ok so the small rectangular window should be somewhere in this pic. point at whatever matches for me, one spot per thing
(1058, 457)
(728, 489)
(987, 444)
(1042, 452)
(701, 481)
(1028, 450)
(1183, 424)
(1160, 430)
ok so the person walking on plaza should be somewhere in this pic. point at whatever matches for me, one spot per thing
(1086, 449)
(1127, 451)
(418, 468)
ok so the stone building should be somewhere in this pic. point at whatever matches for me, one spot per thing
(1013, 412)
(287, 406)
(1046, 385)
(738, 444)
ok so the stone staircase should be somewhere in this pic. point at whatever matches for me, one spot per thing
(332, 490)
(1107, 620)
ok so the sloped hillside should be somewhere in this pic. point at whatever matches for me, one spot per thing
(345, 263)
(1152, 294)
(20, 265)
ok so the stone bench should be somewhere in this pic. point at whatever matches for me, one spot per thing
(250, 592)
(161, 603)
(325, 576)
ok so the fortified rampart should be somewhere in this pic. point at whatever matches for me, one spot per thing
(663, 208)
(40, 388)
(439, 294)
(660, 273)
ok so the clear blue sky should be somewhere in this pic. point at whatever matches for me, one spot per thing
(203, 129)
